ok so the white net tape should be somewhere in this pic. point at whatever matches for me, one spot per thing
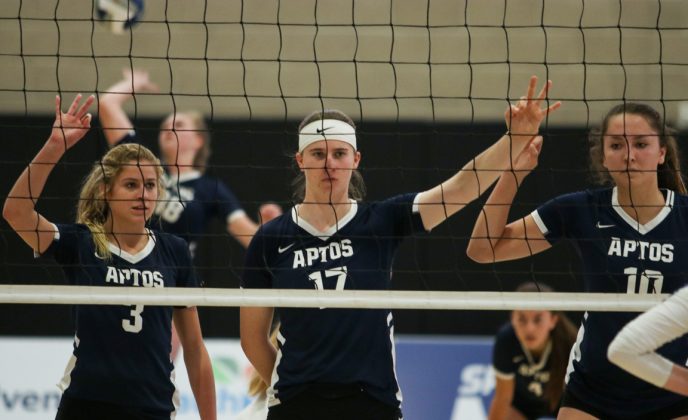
(92, 295)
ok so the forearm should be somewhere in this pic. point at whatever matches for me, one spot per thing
(262, 356)
(19, 209)
(678, 380)
(202, 381)
(492, 220)
(476, 177)
(113, 119)
(242, 229)
(634, 347)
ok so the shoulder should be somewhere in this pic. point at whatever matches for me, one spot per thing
(586, 196)
(73, 229)
(277, 225)
(170, 241)
(680, 200)
(506, 335)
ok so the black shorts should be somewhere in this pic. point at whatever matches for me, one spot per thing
(77, 409)
(665, 413)
(333, 402)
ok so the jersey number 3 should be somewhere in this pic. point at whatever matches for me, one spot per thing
(135, 323)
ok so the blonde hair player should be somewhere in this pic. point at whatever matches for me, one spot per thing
(120, 367)
(193, 197)
(339, 363)
(631, 239)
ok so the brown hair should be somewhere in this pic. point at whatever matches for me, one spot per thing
(357, 188)
(563, 335)
(668, 173)
(93, 209)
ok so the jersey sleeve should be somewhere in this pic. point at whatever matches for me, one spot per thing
(634, 347)
(65, 247)
(557, 215)
(503, 353)
(404, 210)
(256, 274)
(227, 206)
(186, 274)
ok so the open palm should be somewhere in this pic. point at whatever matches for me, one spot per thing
(69, 127)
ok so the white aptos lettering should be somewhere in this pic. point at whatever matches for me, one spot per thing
(134, 277)
(333, 251)
(641, 250)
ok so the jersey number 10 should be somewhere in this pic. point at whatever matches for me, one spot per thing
(650, 281)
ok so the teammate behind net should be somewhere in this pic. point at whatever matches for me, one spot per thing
(120, 366)
(339, 363)
(631, 239)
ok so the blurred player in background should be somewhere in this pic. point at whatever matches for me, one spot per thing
(529, 358)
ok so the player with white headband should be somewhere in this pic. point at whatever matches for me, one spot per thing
(339, 363)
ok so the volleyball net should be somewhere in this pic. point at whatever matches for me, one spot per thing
(426, 82)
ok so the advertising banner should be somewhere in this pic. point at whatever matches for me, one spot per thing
(441, 379)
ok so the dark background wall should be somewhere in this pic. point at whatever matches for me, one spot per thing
(253, 158)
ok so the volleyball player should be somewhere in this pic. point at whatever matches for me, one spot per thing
(529, 360)
(193, 197)
(630, 239)
(120, 367)
(339, 363)
(635, 347)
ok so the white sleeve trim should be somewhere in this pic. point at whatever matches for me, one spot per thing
(538, 221)
(634, 347)
(502, 375)
(36, 254)
(415, 208)
(235, 215)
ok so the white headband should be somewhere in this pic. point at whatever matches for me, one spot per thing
(326, 130)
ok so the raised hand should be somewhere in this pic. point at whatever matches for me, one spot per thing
(523, 119)
(137, 81)
(69, 127)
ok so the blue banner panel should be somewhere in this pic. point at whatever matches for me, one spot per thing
(445, 379)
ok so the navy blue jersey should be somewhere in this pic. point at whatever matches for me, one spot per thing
(511, 360)
(122, 352)
(336, 346)
(191, 201)
(619, 256)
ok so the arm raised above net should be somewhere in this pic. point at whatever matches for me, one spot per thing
(493, 239)
(113, 119)
(20, 207)
(523, 122)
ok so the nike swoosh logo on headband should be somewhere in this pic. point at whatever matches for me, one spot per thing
(319, 131)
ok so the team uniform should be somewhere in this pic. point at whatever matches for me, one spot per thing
(122, 352)
(333, 346)
(512, 361)
(191, 200)
(619, 256)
